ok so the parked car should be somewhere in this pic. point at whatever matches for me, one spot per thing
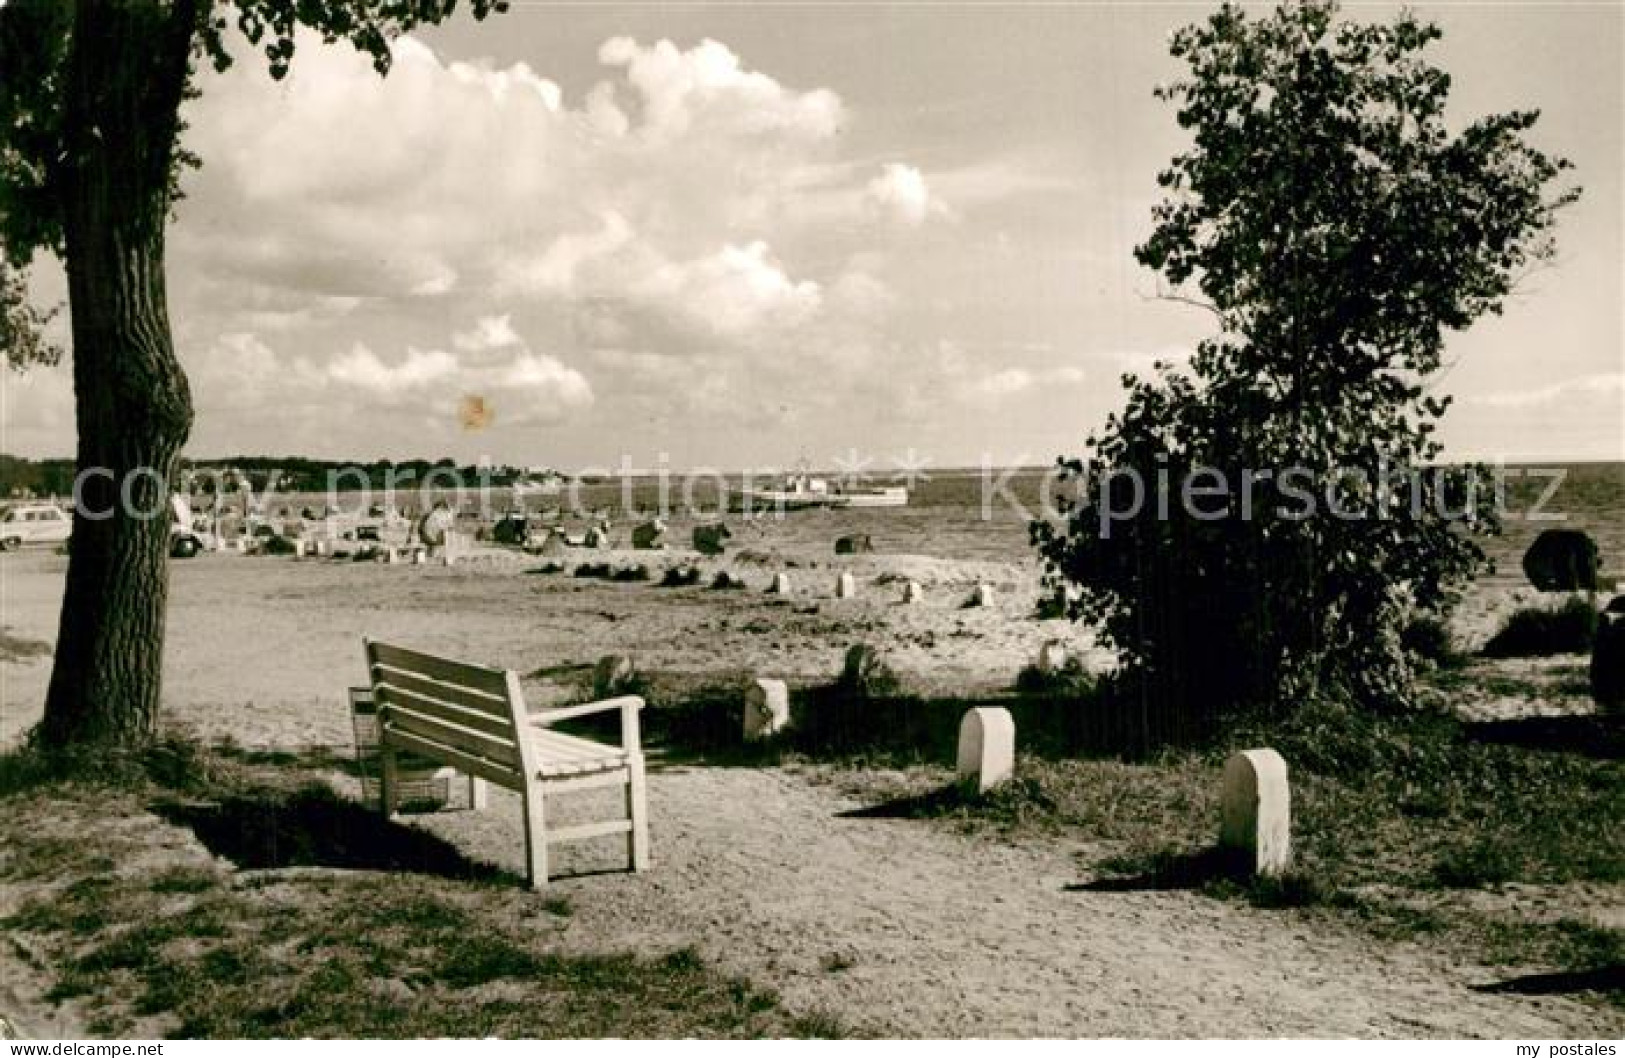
(34, 523)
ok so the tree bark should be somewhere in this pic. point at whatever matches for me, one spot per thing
(126, 76)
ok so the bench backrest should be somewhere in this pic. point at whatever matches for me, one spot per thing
(466, 715)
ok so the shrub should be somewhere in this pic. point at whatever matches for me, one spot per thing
(1562, 560)
(1429, 638)
(1251, 528)
(276, 545)
(1538, 631)
(680, 577)
(1070, 680)
(1608, 664)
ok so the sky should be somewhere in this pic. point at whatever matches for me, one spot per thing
(879, 237)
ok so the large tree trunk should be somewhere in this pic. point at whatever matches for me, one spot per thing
(127, 71)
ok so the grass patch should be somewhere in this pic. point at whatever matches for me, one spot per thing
(375, 957)
(1388, 810)
(418, 949)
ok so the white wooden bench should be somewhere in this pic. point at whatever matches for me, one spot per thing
(474, 719)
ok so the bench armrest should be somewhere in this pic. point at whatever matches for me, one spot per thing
(628, 705)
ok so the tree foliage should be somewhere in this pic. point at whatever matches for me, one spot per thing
(35, 38)
(1338, 230)
(90, 100)
(22, 326)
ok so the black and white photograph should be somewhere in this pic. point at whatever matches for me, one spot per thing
(930, 519)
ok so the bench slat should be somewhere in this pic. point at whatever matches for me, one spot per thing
(589, 830)
(447, 711)
(572, 784)
(478, 677)
(464, 762)
(554, 746)
(555, 769)
(491, 705)
(501, 753)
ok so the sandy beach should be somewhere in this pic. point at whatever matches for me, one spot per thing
(762, 868)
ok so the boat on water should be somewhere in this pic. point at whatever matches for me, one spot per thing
(803, 491)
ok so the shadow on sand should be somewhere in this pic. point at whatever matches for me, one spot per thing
(1608, 980)
(315, 827)
(921, 806)
(1170, 871)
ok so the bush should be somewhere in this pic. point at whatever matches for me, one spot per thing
(1252, 527)
(1562, 560)
(277, 545)
(1429, 638)
(1538, 631)
(680, 577)
(1070, 680)
(1608, 664)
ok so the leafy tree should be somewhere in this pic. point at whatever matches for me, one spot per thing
(1338, 231)
(89, 157)
(22, 326)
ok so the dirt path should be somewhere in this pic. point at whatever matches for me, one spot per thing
(903, 927)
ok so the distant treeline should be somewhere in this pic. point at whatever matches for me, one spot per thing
(54, 477)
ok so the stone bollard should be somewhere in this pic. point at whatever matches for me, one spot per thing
(393, 556)
(767, 709)
(1053, 657)
(913, 593)
(447, 558)
(611, 675)
(846, 586)
(1256, 809)
(983, 595)
(300, 548)
(420, 556)
(987, 747)
(780, 585)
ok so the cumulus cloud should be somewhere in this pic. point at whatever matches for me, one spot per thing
(519, 385)
(488, 332)
(706, 86)
(1603, 384)
(688, 232)
(736, 289)
(1004, 383)
(370, 397)
(361, 367)
(900, 193)
(671, 202)
(1011, 381)
(445, 176)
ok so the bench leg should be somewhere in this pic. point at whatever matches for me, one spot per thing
(476, 793)
(389, 786)
(535, 836)
(637, 810)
